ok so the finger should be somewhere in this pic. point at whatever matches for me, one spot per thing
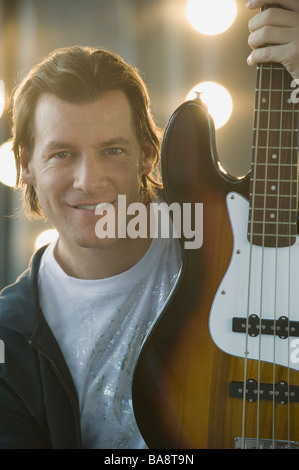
(266, 54)
(279, 54)
(289, 4)
(273, 17)
(269, 35)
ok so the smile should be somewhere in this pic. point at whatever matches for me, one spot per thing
(92, 207)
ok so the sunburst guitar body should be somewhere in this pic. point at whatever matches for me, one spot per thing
(219, 368)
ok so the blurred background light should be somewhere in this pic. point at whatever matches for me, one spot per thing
(2, 97)
(217, 99)
(211, 16)
(45, 237)
(7, 165)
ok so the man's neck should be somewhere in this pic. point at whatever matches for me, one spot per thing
(101, 262)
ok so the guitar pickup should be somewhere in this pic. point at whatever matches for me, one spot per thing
(281, 392)
(281, 327)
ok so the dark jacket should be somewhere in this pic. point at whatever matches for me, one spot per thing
(38, 401)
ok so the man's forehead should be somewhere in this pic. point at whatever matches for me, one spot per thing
(112, 100)
(57, 120)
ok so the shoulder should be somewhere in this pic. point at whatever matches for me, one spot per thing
(19, 311)
(19, 301)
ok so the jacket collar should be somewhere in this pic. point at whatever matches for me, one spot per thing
(19, 302)
(20, 311)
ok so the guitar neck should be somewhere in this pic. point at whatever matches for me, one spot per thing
(273, 194)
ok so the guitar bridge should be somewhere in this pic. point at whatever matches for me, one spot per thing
(254, 443)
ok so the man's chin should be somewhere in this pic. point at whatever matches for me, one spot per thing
(101, 243)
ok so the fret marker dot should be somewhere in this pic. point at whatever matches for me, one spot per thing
(264, 100)
(272, 216)
(273, 187)
(274, 156)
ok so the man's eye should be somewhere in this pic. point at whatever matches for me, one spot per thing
(113, 151)
(62, 155)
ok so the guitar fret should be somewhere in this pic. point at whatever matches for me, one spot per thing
(277, 235)
(272, 180)
(272, 130)
(273, 148)
(272, 223)
(284, 219)
(273, 209)
(270, 90)
(274, 110)
(292, 196)
(287, 165)
(268, 67)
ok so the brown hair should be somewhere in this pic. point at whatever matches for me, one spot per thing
(81, 74)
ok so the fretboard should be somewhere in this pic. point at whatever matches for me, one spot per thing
(273, 193)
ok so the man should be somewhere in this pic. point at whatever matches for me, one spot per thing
(74, 322)
(84, 136)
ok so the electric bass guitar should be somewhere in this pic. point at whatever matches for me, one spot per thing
(220, 367)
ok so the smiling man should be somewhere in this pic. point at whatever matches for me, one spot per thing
(73, 324)
(85, 155)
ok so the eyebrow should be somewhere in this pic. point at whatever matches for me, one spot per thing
(115, 141)
(55, 144)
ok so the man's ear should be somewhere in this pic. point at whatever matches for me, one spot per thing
(25, 165)
(148, 157)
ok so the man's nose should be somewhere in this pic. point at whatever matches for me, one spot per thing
(90, 174)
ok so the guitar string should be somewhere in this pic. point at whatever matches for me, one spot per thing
(288, 273)
(276, 236)
(247, 327)
(288, 298)
(253, 191)
(289, 282)
(260, 339)
(260, 68)
(263, 244)
(294, 147)
(279, 156)
(291, 181)
(253, 182)
(289, 263)
(276, 269)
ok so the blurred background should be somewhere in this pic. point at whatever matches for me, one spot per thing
(177, 45)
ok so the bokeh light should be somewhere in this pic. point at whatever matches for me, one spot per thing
(7, 165)
(2, 97)
(217, 99)
(211, 16)
(45, 237)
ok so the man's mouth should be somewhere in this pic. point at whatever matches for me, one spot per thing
(93, 207)
(102, 205)
(87, 207)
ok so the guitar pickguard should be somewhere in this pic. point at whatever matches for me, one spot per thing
(263, 284)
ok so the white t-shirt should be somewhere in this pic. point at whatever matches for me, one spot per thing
(100, 326)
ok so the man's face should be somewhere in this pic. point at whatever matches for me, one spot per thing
(84, 155)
